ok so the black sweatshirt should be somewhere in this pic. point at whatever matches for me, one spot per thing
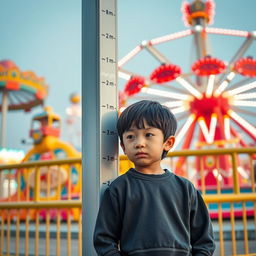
(153, 215)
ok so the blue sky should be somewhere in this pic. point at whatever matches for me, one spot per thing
(45, 37)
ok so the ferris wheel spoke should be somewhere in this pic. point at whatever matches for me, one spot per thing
(183, 130)
(180, 117)
(244, 103)
(171, 104)
(210, 86)
(138, 97)
(166, 94)
(245, 96)
(224, 129)
(189, 87)
(155, 53)
(189, 136)
(125, 74)
(243, 48)
(238, 90)
(208, 134)
(227, 32)
(179, 109)
(186, 144)
(130, 55)
(240, 52)
(227, 130)
(243, 111)
(169, 87)
(242, 82)
(170, 37)
(236, 135)
(224, 84)
(246, 126)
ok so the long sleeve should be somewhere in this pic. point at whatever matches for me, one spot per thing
(108, 226)
(202, 240)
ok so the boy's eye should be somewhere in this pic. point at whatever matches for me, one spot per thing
(149, 134)
(129, 137)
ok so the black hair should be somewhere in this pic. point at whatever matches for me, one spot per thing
(155, 114)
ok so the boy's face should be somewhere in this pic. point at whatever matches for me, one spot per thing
(144, 147)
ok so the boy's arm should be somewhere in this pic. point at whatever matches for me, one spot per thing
(108, 227)
(202, 240)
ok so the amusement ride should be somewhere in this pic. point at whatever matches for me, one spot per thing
(22, 91)
(213, 101)
(19, 90)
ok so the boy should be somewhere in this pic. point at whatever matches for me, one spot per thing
(149, 211)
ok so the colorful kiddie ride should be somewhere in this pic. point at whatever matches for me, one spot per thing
(212, 101)
(45, 132)
(19, 90)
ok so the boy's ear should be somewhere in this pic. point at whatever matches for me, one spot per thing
(169, 143)
(122, 146)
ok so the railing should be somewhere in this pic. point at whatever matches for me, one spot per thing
(36, 218)
(41, 209)
(231, 196)
(232, 206)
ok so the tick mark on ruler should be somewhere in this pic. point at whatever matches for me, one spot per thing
(108, 60)
(109, 158)
(108, 12)
(109, 83)
(109, 132)
(109, 36)
(108, 106)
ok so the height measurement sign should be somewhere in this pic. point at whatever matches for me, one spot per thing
(108, 89)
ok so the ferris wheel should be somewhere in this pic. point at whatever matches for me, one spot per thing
(214, 100)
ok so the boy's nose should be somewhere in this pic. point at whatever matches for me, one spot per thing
(140, 143)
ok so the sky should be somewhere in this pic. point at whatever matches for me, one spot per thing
(45, 37)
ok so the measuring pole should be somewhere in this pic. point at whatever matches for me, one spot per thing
(99, 108)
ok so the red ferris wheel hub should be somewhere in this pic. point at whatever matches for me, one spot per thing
(246, 67)
(134, 85)
(208, 66)
(165, 73)
(207, 105)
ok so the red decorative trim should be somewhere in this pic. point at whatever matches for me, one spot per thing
(246, 67)
(208, 66)
(134, 85)
(12, 85)
(165, 73)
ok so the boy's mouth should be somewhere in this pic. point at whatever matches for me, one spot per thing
(141, 154)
